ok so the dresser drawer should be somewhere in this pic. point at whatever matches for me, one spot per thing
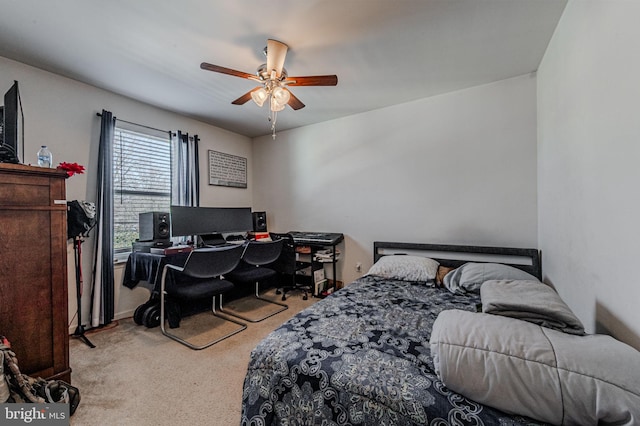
(30, 191)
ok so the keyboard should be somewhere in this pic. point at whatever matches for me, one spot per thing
(316, 238)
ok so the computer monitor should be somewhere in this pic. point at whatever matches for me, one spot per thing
(186, 221)
(9, 140)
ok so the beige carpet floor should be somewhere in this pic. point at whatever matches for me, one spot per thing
(137, 376)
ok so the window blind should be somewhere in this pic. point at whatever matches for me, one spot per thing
(142, 181)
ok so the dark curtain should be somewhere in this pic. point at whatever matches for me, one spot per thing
(102, 309)
(187, 190)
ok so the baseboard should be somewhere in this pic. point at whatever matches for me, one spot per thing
(118, 316)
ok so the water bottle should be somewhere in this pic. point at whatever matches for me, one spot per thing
(45, 159)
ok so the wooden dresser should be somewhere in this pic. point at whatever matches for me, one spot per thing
(33, 269)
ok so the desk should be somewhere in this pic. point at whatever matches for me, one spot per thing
(147, 267)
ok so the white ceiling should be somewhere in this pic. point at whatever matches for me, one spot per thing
(384, 52)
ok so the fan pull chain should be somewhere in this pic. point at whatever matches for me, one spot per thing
(273, 117)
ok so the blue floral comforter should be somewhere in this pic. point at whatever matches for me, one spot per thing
(360, 357)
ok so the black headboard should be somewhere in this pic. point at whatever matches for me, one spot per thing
(526, 259)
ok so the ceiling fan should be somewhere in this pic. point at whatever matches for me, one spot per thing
(274, 81)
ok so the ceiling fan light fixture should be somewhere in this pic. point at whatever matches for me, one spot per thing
(276, 106)
(281, 95)
(259, 96)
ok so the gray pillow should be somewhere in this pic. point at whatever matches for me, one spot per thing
(469, 277)
(530, 301)
(406, 268)
(524, 369)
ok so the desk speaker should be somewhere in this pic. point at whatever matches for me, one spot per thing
(154, 226)
(259, 221)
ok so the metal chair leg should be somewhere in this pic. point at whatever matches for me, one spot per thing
(235, 314)
(189, 344)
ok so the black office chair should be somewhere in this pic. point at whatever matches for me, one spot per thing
(287, 266)
(200, 278)
(254, 268)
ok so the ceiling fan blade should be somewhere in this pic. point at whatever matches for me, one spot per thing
(314, 80)
(294, 102)
(276, 53)
(228, 71)
(246, 97)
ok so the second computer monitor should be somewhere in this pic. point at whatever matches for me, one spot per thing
(186, 221)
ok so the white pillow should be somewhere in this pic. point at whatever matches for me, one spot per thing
(470, 276)
(405, 267)
(524, 369)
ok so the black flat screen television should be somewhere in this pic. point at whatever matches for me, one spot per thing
(9, 140)
(186, 221)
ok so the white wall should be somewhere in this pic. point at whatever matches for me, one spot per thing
(588, 172)
(459, 168)
(61, 113)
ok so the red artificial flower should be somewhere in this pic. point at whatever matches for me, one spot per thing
(71, 168)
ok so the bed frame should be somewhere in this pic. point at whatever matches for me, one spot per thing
(526, 259)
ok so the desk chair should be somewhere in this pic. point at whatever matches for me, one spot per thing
(200, 278)
(287, 266)
(255, 268)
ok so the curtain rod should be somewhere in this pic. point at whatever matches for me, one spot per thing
(136, 124)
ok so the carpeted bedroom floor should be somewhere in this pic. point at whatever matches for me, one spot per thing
(136, 376)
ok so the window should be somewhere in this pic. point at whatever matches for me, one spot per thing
(141, 181)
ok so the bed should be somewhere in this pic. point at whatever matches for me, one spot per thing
(362, 356)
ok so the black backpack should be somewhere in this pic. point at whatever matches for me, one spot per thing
(81, 217)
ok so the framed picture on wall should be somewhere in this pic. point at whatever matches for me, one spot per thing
(227, 170)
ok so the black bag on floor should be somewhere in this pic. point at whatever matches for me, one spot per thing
(20, 388)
